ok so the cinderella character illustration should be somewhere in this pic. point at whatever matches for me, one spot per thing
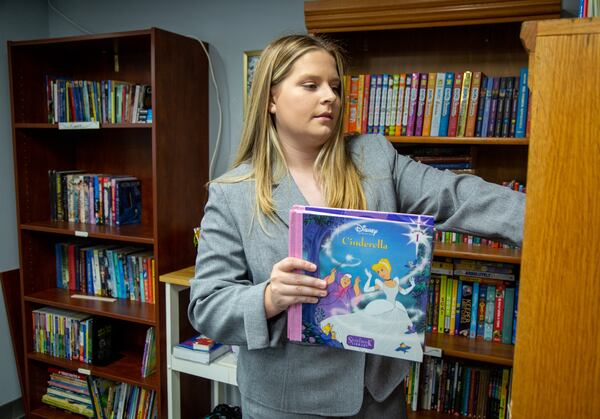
(384, 325)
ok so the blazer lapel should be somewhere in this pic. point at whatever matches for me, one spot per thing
(286, 194)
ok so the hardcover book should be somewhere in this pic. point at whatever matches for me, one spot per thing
(377, 267)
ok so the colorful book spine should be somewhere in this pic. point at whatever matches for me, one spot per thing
(383, 107)
(442, 306)
(508, 102)
(429, 99)
(481, 106)
(383, 110)
(438, 102)
(372, 97)
(487, 106)
(494, 107)
(514, 108)
(446, 104)
(412, 107)
(455, 105)
(463, 110)
(473, 104)
(406, 107)
(365, 105)
(400, 105)
(394, 105)
(522, 103)
(498, 313)
(421, 104)
(377, 103)
(508, 312)
(489, 312)
(500, 106)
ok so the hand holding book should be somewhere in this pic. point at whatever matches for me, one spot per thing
(288, 286)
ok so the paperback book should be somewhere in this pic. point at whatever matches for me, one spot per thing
(377, 267)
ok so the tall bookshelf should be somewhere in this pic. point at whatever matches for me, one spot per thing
(169, 156)
(557, 373)
(390, 36)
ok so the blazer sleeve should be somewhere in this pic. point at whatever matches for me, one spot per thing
(224, 303)
(462, 203)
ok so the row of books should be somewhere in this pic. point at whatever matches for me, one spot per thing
(468, 104)
(106, 270)
(79, 197)
(473, 308)
(200, 349)
(107, 101)
(72, 335)
(457, 387)
(98, 398)
(454, 237)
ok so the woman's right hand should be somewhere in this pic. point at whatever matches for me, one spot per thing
(287, 286)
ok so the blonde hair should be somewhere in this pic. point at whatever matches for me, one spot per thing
(260, 145)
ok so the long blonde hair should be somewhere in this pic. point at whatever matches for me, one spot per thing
(260, 145)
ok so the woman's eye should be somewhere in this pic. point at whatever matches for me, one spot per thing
(310, 86)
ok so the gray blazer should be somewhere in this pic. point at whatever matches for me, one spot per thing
(235, 258)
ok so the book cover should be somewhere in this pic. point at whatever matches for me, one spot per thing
(377, 268)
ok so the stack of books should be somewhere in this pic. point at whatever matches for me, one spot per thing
(68, 391)
(200, 349)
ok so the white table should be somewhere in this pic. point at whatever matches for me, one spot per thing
(221, 372)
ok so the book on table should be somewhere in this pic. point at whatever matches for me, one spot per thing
(185, 350)
(377, 267)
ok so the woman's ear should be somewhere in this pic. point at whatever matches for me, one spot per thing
(272, 105)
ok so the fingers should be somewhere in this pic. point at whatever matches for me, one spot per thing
(290, 264)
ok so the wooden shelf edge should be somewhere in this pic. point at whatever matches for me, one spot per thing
(465, 251)
(127, 310)
(41, 125)
(119, 370)
(472, 349)
(134, 233)
(460, 140)
(356, 15)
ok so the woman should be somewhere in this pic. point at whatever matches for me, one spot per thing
(292, 151)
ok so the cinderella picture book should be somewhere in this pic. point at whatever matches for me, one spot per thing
(377, 267)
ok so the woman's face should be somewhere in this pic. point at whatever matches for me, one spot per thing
(306, 104)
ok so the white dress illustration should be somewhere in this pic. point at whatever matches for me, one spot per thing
(384, 324)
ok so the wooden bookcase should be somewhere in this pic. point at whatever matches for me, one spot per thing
(390, 36)
(169, 156)
(556, 369)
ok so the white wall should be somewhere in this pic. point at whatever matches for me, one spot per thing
(18, 20)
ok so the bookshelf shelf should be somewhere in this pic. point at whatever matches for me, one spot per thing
(132, 311)
(48, 412)
(167, 156)
(36, 125)
(428, 414)
(134, 233)
(460, 140)
(473, 349)
(465, 251)
(125, 369)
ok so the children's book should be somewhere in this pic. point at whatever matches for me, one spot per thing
(377, 267)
